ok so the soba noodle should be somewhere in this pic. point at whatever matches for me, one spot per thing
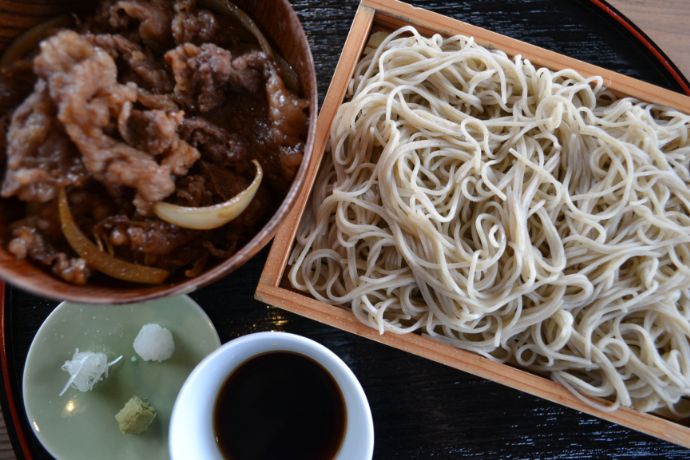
(524, 214)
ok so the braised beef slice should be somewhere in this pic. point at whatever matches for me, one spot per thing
(28, 243)
(82, 80)
(286, 113)
(157, 101)
(195, 191)
(145, 20)
(145, 237)
(204, 74)
(194, 24)
(153, 131)
(215, 143)
(138, 65)
(247, 71)
(40, 157)
(191, 25)
(182, 156)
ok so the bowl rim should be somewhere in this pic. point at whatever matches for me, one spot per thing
(198, 394)
(100, 295)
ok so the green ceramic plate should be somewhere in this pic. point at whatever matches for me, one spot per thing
(82, 425)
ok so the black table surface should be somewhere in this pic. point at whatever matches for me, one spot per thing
(422, 409)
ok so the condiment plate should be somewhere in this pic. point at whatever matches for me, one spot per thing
(82, 425)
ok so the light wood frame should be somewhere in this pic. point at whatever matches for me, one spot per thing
(394, 14)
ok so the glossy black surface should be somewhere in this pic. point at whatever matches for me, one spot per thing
(422, 409)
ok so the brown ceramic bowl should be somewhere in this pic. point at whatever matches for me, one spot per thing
(278, 21)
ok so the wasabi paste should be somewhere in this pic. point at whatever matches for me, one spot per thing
(136, 416)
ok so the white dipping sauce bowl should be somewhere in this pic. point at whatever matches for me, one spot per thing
(192, 435)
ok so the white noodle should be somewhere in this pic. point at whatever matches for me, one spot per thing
(526, 215)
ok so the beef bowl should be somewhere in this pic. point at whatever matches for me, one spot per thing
(149, 147)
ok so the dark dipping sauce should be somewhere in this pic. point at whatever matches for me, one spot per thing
(280, 405)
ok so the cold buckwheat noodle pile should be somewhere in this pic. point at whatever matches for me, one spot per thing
(524, 214)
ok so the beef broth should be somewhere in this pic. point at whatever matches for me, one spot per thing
(280, 405)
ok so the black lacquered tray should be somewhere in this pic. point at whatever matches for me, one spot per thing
(421, 409)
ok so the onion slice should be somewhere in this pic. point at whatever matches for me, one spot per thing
(100, 260)
(210, 217)
(28, 40)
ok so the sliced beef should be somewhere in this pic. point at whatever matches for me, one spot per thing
(28, 243)
(286, 111)
(195, 191)
(203, 78)
(181, 157)
(215, 143)
(144, 237)
(71, 269)
(247, 71)
(138, 65)
(193, 25)
(145, 20)
(153, 131)
(82, 80)
(283, 151)
(204, 74)
(157, 101)
(40, 156)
